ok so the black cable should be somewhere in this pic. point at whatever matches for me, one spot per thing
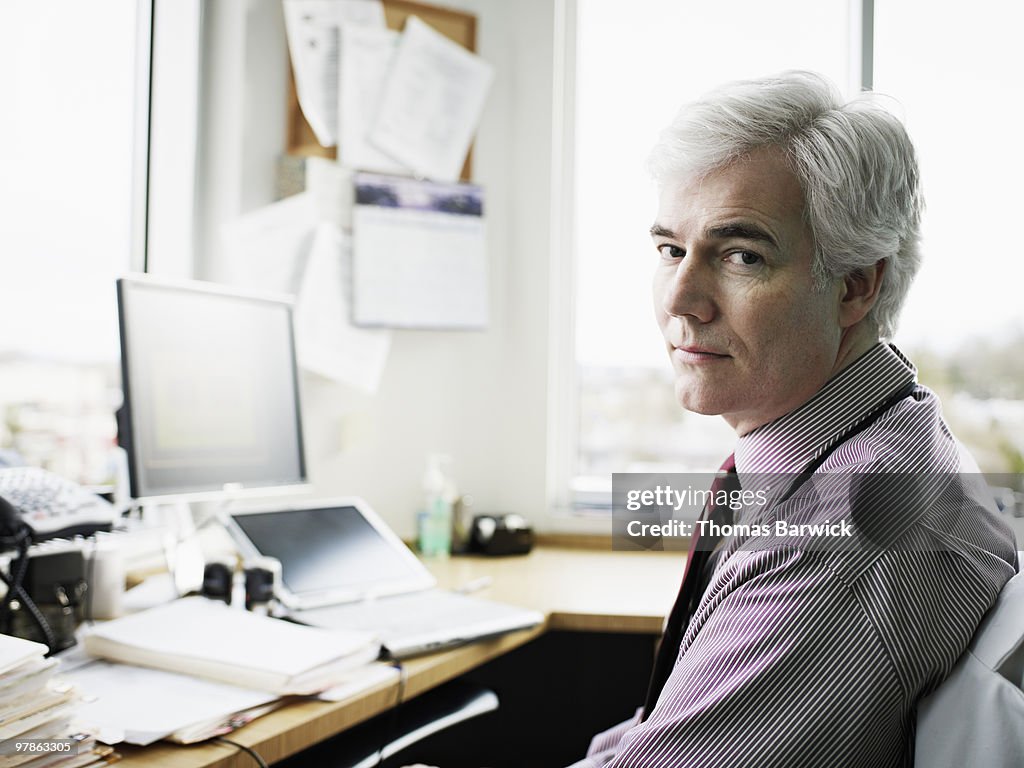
(248, 750)
(41, 622)
(19, 540)
(19, 567)
(403, 678)
(5, 618)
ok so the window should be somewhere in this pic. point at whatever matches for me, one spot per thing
(70, 100)
(75, 84)
(630, 80)
(962, 323)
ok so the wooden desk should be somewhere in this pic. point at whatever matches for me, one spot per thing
(577, 590)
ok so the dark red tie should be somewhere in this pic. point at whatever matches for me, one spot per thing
(692, 588)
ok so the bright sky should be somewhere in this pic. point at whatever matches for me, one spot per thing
(963, 111)
(68, 91)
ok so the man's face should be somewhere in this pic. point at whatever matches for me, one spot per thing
(749, 334)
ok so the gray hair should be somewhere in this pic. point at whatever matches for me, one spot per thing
(854, 161)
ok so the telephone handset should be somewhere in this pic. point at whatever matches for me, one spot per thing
(14, 531)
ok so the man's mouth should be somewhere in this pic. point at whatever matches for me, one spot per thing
(691, 353)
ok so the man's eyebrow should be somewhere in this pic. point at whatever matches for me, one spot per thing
(723, 232)
(742, 231)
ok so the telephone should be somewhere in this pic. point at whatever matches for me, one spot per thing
(37, 505)
(50, 505)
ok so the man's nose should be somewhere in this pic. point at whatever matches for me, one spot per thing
(689, 291)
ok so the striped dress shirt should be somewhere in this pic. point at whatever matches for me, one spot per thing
(815, 654)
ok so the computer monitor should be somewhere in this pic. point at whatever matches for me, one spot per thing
(211, 396)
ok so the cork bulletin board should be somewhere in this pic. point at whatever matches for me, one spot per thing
(457, 26)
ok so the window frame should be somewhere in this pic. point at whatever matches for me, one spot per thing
(166, 243)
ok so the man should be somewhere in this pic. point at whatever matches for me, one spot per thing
(786, 240)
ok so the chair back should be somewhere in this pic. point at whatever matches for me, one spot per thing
(976, 717)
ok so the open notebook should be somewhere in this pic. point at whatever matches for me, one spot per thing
(342, 567)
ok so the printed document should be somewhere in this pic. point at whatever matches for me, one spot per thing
(330, 184)
(141, 705)
(266, 249)
(366, 58)
(328, 344)
(432, 103)
(313, 40)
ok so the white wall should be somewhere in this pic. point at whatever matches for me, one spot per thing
(479, 396)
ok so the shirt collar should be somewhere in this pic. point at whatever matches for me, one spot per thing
(793, 441)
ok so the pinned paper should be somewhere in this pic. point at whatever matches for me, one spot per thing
(327, 342)
(366, 58)
(266, 249)
(432, 103)
(418, 254)
(330, 184)
(313, 40)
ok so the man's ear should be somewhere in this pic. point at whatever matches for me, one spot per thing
(859, 293)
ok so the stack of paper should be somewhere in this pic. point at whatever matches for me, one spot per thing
(36, 728)
(206, 638)
(119, 700)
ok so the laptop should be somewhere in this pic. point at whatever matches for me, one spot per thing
(343, 567)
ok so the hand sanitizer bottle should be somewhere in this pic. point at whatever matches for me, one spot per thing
(435, 519)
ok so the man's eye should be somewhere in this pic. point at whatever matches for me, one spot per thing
(671, 251)
(744, 258)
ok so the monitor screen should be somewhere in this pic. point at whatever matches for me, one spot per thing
(211, 401)
(329, 548)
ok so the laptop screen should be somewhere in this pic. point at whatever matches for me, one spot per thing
(326, 549)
